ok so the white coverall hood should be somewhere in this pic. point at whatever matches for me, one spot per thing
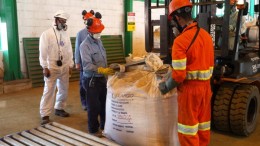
(61, 14)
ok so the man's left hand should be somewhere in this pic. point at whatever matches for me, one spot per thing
(163, 88)
(168, 85)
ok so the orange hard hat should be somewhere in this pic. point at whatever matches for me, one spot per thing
(95, 25)
(87, 15)
(177, 4)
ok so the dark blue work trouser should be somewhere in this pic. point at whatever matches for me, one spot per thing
(96, 102)
(82, 92)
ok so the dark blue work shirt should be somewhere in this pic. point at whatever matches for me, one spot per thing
(93, 56)
(81, 35)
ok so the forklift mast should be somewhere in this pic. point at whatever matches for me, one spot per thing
(204, 18)
(210, 23)
(165, 36)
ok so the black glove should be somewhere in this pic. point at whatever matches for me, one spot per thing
(167, 86)
(46, 72)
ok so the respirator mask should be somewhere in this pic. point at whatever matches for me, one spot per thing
(97, 35)
(176, 25)
(233, 8)
(174, 19)
(61, 25)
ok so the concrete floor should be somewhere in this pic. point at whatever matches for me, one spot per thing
(19, 111)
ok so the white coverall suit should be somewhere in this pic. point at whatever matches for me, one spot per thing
(232, 28)
(59, 75)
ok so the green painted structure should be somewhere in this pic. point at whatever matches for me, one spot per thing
(8, 14)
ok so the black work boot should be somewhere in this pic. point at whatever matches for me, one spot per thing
(61, 113)
(45, 120)
(97, 134)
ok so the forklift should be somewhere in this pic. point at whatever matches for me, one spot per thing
(236, 77)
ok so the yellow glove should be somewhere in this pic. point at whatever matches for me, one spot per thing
(105, 71)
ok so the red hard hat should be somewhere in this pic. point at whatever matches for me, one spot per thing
(95, 26)
(177, 4)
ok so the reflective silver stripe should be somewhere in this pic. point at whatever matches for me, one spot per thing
(188, 130)
(211, 69)
(179, 64)
(192, 130)
(200, 74)
(204, 126)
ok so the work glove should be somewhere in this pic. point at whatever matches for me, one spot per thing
(167, 85)
(46, 72)
(105, 71)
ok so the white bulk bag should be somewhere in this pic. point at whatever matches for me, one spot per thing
(137, 114)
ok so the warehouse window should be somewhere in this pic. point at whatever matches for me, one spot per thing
(220, 11)
(3, 36)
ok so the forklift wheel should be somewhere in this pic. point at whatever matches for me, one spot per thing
(220, 113)
(244, 110)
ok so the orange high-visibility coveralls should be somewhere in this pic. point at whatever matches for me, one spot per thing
(193, 69)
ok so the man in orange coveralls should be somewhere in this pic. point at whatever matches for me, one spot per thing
(192, 62)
